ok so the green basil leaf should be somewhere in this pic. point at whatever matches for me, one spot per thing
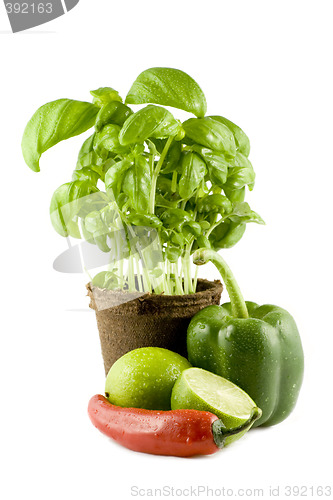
(54, 122)
(242, 212)
(108, 214)
(172, 159)
(114, 175)
(94, 224)
(241, 139)
(227, 234)
(216, 163)
(193, 227)
(106, 279)
(87, 147)
(107, 141)
(193, 172)
(240, 173)
(144, 220)
(235, 195)
(113, 112)
(201, 242)
(163, 185)
(86, 174)
(177, 239)
(65, 206)
(88, 158)
(161, 201)
(168, 87)
(214, 203)
(211, 134)
(175, 218)
(151, 121)
(173, 253)
(100, 240)
(137, 185)
(104, 95)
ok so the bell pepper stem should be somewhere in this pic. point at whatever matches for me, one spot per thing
(238, 306)
(221, 433)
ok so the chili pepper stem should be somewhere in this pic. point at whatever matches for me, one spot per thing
(238, 306)
(221, 433)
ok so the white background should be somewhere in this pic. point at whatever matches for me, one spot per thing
(266, 66)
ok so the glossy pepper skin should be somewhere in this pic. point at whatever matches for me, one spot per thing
(256, 347)
(181, 433)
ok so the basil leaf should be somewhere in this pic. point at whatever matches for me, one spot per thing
(137, 185)
(88, 158)
(235, 195)
(242, 213)
(86, 174)
(86, 147)
(216, 163)
(114, 175)
(175, 218)
(227, 234)
(104, 95)
(214, 203)
(65, 206)
(54, 122)
(145, 220)
(113, 112)
(107, 141)
(193, 172)
(106, 279)
(240, 173)
(151, 121)
(172, 159)
(168, 87)
(173, 253)
(160, 201)
(212, 134)
(94, 224)
(241, 139)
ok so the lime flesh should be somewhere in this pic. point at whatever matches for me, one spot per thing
(199, 389)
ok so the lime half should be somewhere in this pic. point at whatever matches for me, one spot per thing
(199, 389)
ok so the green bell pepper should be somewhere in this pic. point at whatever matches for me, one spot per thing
(256, 347)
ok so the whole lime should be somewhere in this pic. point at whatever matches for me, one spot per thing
(144, 378)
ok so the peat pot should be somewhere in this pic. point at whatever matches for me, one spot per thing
(128, 320)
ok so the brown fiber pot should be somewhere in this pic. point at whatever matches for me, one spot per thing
(148, 320)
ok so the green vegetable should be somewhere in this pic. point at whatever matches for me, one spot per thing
(55, 122)
(256, 347)
(169, 87)
(193, 173)
(113, 112)
(147, 188)
(212, 134)
(151, 121)
(104, 95)
(241, 139)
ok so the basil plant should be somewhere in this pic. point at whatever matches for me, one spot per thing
(148, 188)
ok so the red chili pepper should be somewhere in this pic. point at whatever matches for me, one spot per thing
(181, 433)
